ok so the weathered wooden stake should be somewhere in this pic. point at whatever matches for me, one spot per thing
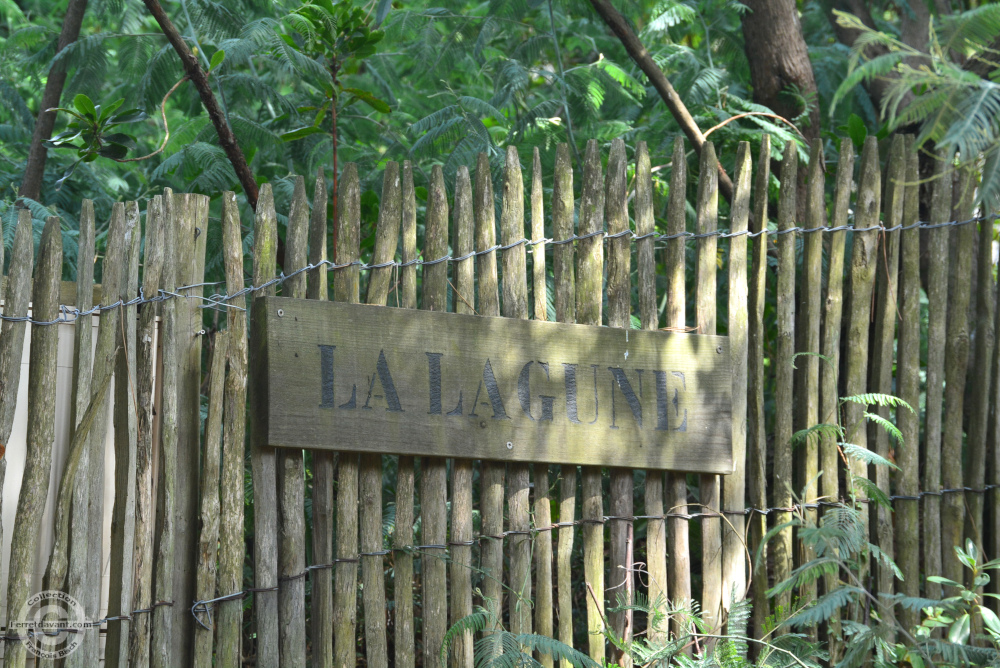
(679, 563)
(620, 586)
(908, 388)
(565, 302)
(403, 533)
(290, 466)
(346, 288)
(955, 371)
(734, 563)
(589, 274)
(116, 646)
(145, 508)
(208, 542)
(756, 428)
(262, 458)
(229, 614)
(937, 319)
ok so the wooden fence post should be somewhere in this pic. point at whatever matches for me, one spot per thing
(515, 305)
(493, 473)
(679, 563)
(12, 335)
(85, 567)
(290, 466)
(461, 495)
(542, 503)
(707, 214)
(956, 369)
(346, 287)
(783, 371)
(163, 597)
(370, 473)
(40, 432)
(83, 373)
(321, 608)
(405, 644)
(807, 332)
(862, 276)
(620, 585)
(262, 458)
(829, 372)
(756, 429)
(433, 470)
(589, 274)
(126, 445)
(145, 506)
(908, 389)
(565, 303)
(887, 292)
(656, 534)
(208, 542)
(937, 319)
(229, 652)
(976, 460)
(192, 234)
(734, 564)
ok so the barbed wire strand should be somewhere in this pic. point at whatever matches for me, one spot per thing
(204, 607)
(219, 301)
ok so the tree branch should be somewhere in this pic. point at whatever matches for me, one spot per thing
(638, 53)
(34, 170)
(227, 140)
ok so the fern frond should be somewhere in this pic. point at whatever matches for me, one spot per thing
(870, 490)
(556, 649)
(887, 425)
(869, 457)
(884, 400)
(972, 30)
(824, 430)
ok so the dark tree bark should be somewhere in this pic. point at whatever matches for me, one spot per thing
(678, 109)
(34, 171)
(227, 140)
(779, 61)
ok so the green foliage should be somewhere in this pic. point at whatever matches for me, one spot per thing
(502, 649)
(954, 108)
(94, 127)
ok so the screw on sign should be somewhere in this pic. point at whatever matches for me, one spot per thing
(51, 624)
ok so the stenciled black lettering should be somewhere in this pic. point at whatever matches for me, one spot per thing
(434, 379)
(524, 390)
(353, 401)
(493, 392)
(475, 402)
(547, 401)
(385, 379)
(457, 410)
(326, 376)
(618, 374)
(677, 411)
(569, 374)
(662, 416)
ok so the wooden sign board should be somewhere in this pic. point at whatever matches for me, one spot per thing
(378, 379)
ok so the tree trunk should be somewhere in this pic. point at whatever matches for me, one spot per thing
(779, 61)
(34, 171)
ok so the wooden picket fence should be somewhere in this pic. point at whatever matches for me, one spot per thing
(469, 531)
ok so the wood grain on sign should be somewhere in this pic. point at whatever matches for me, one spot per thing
(352, 377)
